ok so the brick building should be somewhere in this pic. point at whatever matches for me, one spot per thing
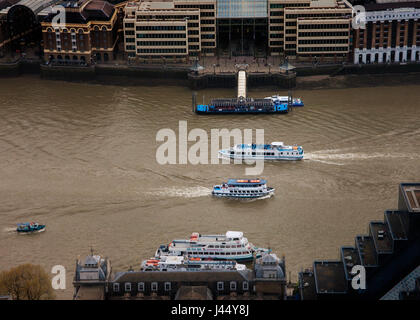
(90, 33)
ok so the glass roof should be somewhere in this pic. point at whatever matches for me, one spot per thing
(241, 8)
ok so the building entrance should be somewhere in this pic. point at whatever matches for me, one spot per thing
(242, 37)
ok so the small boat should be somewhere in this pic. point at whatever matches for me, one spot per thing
(273, 151)
(184, 263)
(296, 102)
(30, 227)
(230, 246)
(243, 188)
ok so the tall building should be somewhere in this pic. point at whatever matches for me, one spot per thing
(308, 29)
(171, 30)
(301, 29)
(389, 255)
(90, 32)
(391, 33)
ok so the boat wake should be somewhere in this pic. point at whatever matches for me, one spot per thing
(261, 198)
(332, 157)
(188, 192)
(9, 230)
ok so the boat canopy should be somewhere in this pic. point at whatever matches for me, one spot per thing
(246, 181)
(234, 234)
(173, 259)
(278, 143)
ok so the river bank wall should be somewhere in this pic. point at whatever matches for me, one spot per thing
(310, 77)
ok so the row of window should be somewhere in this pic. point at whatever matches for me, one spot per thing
(159, 28)
(167, 286)
(288, 5)
(194, 6)
(324, 26)
(207, 14)
(217, 246)
(303, 49)
(276, 43)
(323, 41)
(208, 21)
(96, 28)
(277, 21)
(161, 43)
(324, 34)
(245, 191)
(160, 35)
(172, 50)
(205, 253)
(169, 17)
(314, 15)
(276, 28)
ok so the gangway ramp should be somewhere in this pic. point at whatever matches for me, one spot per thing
(241, 84)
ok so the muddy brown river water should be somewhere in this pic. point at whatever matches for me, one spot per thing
(81, 158)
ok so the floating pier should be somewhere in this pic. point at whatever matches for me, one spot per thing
(241, 104)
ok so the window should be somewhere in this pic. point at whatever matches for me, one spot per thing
(116, 287)
(220, 286)
(140, 287)
(167, 286)
(245, 286)
(154, 286)
(128, 287)
(233, 285)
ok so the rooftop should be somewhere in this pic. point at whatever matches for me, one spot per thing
(395, 224)
(330, 277)
(156, 5)
(307, 286)
(185, 276)
(323, 3)
(367, 251)
(381, 237)
(391, 5)
(412, 193)
(7, 3)
(194, 293)
(83, 11)
(246, 181)
(350, 258)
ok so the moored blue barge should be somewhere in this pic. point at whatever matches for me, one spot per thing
(241, 106)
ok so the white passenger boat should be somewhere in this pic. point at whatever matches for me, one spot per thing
(296, 102)
(243, 189)
(273, 151)
(185, 263)
(230, 246)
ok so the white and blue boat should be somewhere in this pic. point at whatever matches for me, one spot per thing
(273, 151)
(243, 189)
(30, 227)
(185, 263)
(296, 102)
(230, 246)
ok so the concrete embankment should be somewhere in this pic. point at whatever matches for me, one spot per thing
(356, 80)
(17, 68)
(308, 77)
